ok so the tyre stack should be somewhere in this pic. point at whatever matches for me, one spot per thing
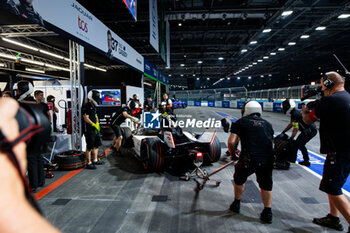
(71, 160)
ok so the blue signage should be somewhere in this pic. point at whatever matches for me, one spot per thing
(151, 70)
(277, 107)
(197, 103)
(211, 103)
(225, 104)
(240, 104)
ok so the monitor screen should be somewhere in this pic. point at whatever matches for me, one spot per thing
(110, 97)
(131, 5)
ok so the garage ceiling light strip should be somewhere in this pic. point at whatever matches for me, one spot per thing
(20, 44)
(36, 71)
(34, 62)
(47, 53)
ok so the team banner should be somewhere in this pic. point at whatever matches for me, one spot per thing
(74, 19)
(153, 24)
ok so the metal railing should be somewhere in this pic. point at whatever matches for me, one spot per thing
(294, 92)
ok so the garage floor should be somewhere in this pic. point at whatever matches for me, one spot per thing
(120, 197)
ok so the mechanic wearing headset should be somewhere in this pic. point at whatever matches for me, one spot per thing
(333, 110)
(256, 135)
(92, 129)
(118, 118)
(296, 121)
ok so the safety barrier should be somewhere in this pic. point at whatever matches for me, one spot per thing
(275, 106)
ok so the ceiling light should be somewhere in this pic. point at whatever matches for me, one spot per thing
(2, 65)
(36, 71)
(169, 75)
(101, 69)
(32, 62)
(267, 30)
(56, 67)
(260, 60)
(313, 83)
(249, 77)
(286, 13)
(94, 67)
(7, 56)
(185, 55)
(250, 65)
(270, 75)
(272, 54)
(197, 78)
(238, 78)
(253, 42)
(66, 59)
(266, 57)
(50, 54)
(194, 75)
(321, 28)
(261, 76)
(199, 62)
(304, 36)
(247, 67)
(182, 65)
(228, 78)
(148, 84)
(343, 16)
(20, 44)
(292, 43)
(208, 78)
(181, 75)
(221, 58)
(254, 63)
(180, 24)
(167, 67)
(281, 49)
(244, 50)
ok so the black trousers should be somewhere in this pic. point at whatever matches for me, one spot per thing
(301, 141)
(36, 174)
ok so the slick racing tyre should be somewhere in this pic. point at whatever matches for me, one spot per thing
(152, 151)
(70, 160)
(127, 137)
(214, 152)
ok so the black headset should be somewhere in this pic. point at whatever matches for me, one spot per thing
(328, 83)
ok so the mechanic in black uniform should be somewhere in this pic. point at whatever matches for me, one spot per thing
(296, 121)
(333, 110)
(256, 135)
(149, 104)
(118, 118)
(36, 174)
(92, 129)
(169, 103)
(51, 99)
(134, 105)
(27, 11)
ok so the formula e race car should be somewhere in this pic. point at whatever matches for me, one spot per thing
(179, 103)
(157, 149)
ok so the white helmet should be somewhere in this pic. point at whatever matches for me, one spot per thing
(95, 97)
(251, 107)
(24, 88)
(288, 105)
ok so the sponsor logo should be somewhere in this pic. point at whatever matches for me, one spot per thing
(81, 10)
(115, 45)
(82, 25)
(151, 120)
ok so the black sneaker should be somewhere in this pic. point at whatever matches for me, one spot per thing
(235, 206)
(305, 163)
(90, 166)
(266, 216)
(329, 221)
(99, 162)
